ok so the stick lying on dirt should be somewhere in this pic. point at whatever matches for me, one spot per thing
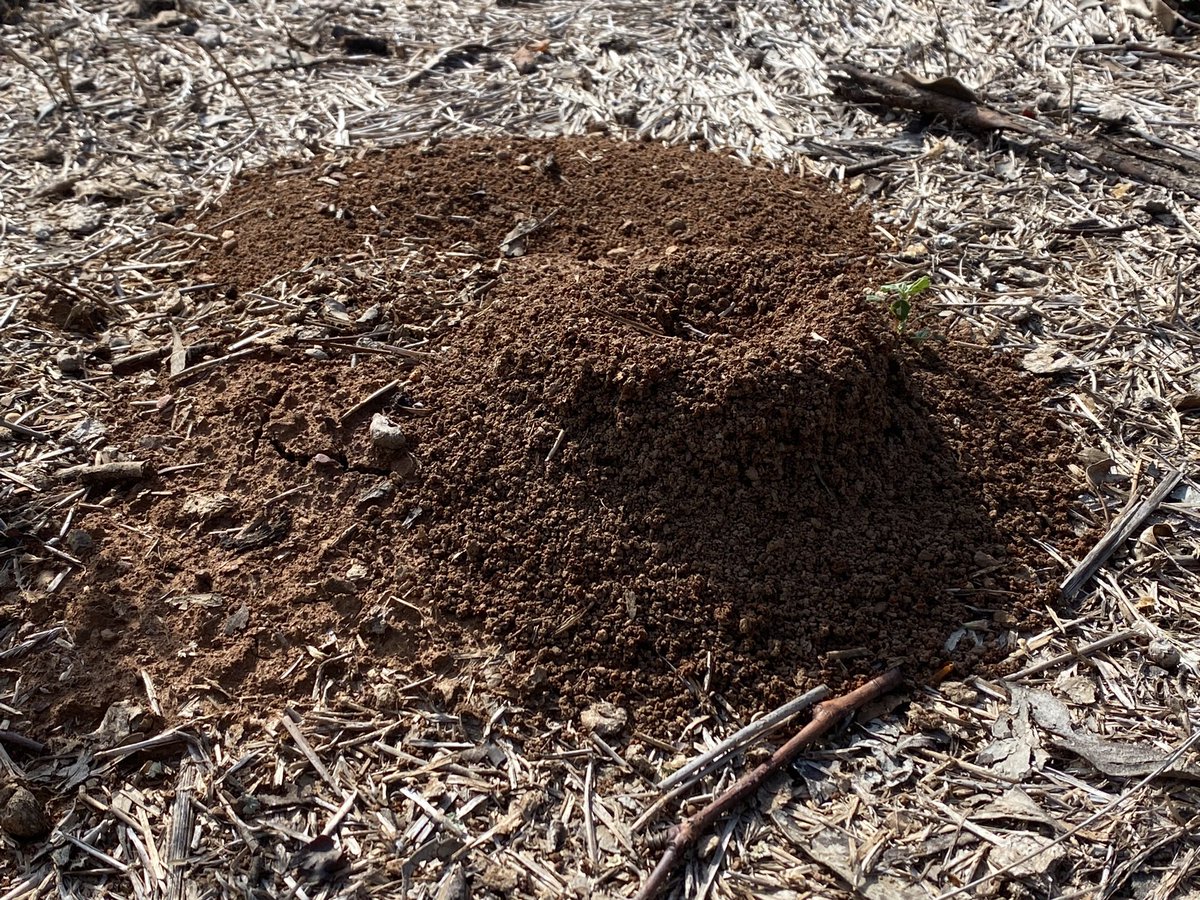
(825, 716)
(108, 473)
(861, 86)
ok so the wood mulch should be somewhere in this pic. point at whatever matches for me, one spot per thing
(151, 302)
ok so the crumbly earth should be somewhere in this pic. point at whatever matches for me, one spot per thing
(668, 452)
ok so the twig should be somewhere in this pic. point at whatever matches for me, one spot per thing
(861, 86)
(231, 81)
(26, 431)
(588, 824)
(180, 836)
(310, 754)
(745, 735)
(367, 402)
(212, 363)
(1121, 530)
(558, 441)
(825, 716)
(1078, 653)
(26, 64)
(108, 473)
(19, 740)
(344, 810)
(166, 739)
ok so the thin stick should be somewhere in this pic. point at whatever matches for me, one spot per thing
(589, 824)
(105, 474)
(1121, 530)
(26, 431)
(212, 364)
(1077, 653)
(825, 716)
(367, 402)
(19, 740)
(745, 735)
(310, 754)
(180, 833)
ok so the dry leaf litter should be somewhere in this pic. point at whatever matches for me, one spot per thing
(150, 317)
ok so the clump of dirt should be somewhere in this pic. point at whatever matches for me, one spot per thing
(659, 446)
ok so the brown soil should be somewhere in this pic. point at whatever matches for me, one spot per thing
(669, 450)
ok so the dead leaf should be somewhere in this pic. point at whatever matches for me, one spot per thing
(1149, 541)
(320, 859)
(1090, 455)
(1017, 748)
(178, 353)
(1186, 403)
(947, 85)
(1018, 806)
(1100, 471)
(604, 719)
(237, 620)
(1011, 855)
(1079, 689)
(830, 848)
(123, 719)
(1119, 759)
(514, 243)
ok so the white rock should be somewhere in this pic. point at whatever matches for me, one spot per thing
(386, 434)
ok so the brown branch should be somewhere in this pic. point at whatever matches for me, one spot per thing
(825, 716)
(861, 86)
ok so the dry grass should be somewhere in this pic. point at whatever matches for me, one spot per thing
(1067, 781)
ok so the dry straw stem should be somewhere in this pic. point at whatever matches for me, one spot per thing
(1119, 532)
(1032, 252)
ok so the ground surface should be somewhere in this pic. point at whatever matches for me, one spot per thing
(652, 454)
(341, 671)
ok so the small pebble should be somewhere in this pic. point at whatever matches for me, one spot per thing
(380, 492)
(69, 362)
(22, 816)
(386, 434)
(1163, 654)
(79, 541)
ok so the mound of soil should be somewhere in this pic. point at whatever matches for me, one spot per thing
(658, 447)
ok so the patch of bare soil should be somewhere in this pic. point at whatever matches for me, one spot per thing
(669, 451)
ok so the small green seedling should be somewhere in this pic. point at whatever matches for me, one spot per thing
(899, 296)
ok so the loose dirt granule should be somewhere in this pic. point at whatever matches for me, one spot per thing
(668, 452)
